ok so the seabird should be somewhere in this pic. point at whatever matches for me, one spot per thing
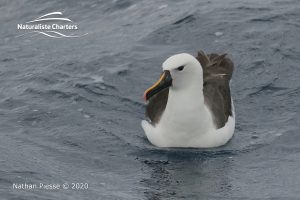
(190, 105)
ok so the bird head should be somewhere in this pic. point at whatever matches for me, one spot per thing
(179, 72)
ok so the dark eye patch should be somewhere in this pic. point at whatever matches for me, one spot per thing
(180, 68)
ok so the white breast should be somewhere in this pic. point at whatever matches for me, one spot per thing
(189, 129)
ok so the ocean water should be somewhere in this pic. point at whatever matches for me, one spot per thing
(70, 108)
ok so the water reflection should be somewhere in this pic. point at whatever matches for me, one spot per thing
(189, 174)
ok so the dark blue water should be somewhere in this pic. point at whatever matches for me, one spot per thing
(70, 108)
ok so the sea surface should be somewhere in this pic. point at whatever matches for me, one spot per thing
(70, 108)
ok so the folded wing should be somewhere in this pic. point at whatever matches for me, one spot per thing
(217, 72)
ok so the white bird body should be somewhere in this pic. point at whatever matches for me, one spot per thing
(203, 135)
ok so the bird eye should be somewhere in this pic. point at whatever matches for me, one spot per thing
(180, 68)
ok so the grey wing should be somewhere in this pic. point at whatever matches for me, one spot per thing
(157, 105)
(217, 72)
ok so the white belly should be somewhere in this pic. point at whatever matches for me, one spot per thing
(190, 129)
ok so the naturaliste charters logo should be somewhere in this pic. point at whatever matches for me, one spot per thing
(50, 25)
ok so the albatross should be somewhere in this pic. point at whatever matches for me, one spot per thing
(190, 105)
